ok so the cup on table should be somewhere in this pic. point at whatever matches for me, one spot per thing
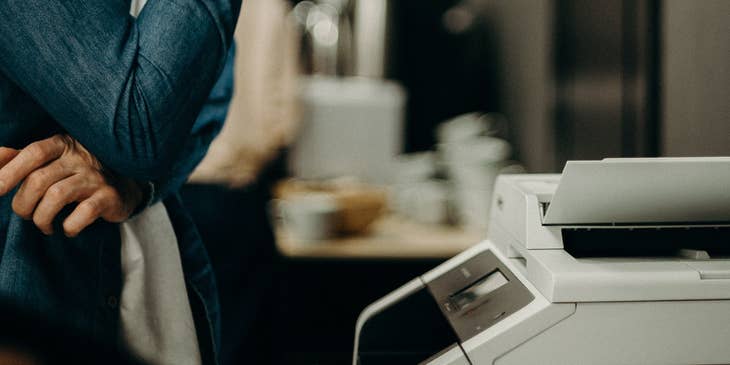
(309, 217)
(415, 167)
(425, 201)
(473, 166)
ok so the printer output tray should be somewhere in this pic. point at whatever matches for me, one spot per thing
(640, 191)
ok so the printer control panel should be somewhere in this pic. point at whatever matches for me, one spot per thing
(478, 293)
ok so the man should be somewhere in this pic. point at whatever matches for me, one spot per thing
(128, 91)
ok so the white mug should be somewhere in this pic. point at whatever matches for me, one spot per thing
(309, 217)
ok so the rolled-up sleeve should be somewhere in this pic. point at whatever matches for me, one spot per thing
(129, 90)
(206, 127)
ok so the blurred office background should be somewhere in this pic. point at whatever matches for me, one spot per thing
(364, 137)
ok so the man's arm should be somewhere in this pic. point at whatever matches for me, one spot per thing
(207, 126)
(127, 89)
(68, 173)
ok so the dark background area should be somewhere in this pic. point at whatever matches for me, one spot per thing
(278, 310)
(445, 73)
(575, 79)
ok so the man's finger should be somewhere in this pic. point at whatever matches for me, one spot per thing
(29, 159)
(35, 185)
(7, 154)
(57, 196)
(86, 213)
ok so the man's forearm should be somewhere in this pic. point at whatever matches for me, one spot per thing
(125, 89)
(207, 126)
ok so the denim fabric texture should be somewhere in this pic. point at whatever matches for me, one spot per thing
(137, 94)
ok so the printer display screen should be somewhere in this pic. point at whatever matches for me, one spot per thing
(484, 286)
(478, 293)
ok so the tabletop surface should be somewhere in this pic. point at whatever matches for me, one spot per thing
(391, 237)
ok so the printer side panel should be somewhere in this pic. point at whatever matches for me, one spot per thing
(646, 333)
(517, 210)
(509, 209)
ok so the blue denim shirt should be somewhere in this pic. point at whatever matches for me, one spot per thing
(130, 90)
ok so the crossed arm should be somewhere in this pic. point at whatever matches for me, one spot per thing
(125, 90)
(59, 171)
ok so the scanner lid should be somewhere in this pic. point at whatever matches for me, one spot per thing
(642, 191)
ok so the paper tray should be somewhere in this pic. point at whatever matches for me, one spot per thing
(642, 191)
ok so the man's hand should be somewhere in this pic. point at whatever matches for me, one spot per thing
(59, 171)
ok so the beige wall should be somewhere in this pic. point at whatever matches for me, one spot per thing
(696, 74)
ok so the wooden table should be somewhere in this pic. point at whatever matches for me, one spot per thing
(391, 237)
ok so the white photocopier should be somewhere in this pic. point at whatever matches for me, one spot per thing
(618, 261)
